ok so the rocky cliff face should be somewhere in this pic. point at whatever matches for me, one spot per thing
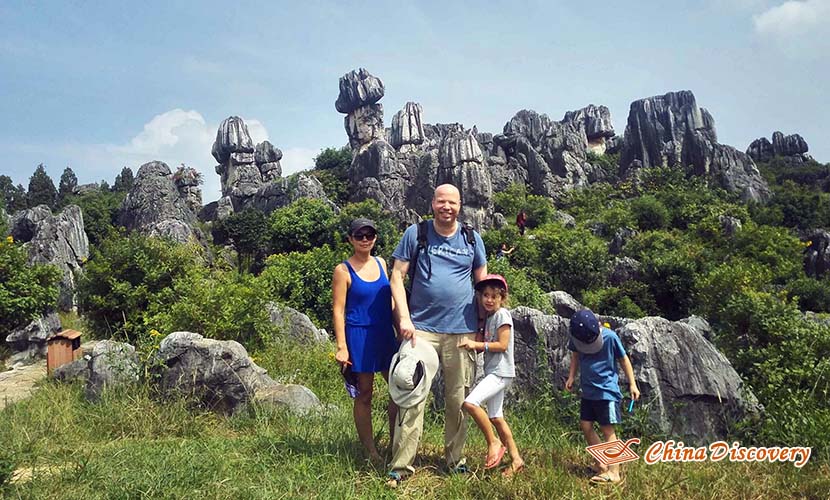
(688, 388)
(160, 205)
(59, 240)
(791, 148)
(671, 130)
(251, 176)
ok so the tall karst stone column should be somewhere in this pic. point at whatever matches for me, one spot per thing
(375, 172)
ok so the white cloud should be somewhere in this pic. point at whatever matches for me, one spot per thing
(296, 159)
(793, 18)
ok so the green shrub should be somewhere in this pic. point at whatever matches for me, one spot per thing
(302, 280)
(539, 209)
(649, 213)
(305, 224)
(26, 291)
(128, 275)
(573, 260)
(812, 294)
(714, 288)
(632, 299)
(331, 169)
(218, 304)
(524, 291)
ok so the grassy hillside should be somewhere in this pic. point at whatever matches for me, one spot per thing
(129, 446)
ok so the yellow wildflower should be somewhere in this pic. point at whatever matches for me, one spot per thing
(9, 239)
(155, 333)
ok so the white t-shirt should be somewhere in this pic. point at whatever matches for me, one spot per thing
(499, 363)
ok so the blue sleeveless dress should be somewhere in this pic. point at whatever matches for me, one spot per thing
(369, 334)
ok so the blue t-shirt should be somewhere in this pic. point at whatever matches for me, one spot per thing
(444, 303)
(598, 372)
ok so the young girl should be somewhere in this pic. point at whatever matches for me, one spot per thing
(499, 371)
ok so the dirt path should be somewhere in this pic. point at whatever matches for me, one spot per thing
(18, 383)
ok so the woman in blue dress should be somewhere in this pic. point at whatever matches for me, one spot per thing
(362, 319)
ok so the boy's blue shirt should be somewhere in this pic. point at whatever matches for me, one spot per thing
(598, 372)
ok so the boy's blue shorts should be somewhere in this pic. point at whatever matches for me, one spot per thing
(603, 412)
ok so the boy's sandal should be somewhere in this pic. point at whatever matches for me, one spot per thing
(606, 479)
(460, 469)
(393, 479)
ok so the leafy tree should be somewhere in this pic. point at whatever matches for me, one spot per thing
(331, 169)
(12, 197)
(539, 209)
(127, 276)
(41, 189)
(573, 260)
(305, 224)
(67, 184)
(26, 290)
(247, 231)
(100, 209)
(124, 181)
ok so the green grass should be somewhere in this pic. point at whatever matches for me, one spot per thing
(130, 446)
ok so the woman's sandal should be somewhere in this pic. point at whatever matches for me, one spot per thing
(606, 479)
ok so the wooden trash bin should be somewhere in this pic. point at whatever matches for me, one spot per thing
(62, 348)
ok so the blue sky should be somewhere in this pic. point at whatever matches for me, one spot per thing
(100, 85)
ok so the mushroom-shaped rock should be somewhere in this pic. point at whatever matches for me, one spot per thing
(358, 88)
(232, 137)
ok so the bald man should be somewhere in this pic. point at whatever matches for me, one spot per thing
(441, 311)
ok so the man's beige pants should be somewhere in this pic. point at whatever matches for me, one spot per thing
(458, 367)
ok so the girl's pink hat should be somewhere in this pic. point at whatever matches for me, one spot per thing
(492, 280)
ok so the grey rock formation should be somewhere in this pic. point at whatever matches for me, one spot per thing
(564, 304)
(112, 364)
(187, 180)
(283, 191)
(293, 397)
(76, 370)
(217, 374)
(365, 125)
(671, 130)
(295, 324)
(689, 388)
(232, 138)
(817, 254)
(596, 122)
(29, 342)
(155, 206)
(407, 126)
(564, 218)
(621, 237)
(730, 225)
(699, 324)
(624, 269)
(358, 88)
(791, 147)
(59, 240)
(267, 158)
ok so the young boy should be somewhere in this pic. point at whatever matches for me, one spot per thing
(594, 351)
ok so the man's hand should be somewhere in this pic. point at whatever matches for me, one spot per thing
(569, 384)
(635, 391)
(466, 344)
(407, 330)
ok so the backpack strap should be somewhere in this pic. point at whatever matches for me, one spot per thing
(421, 245)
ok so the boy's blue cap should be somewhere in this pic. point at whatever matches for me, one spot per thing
(585, 332)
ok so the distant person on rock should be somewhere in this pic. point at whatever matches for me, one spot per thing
(363, 329)
(441, 258)
(521, 221)
(503, 251)
(595, 351)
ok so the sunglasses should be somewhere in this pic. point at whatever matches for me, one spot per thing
(364, 236)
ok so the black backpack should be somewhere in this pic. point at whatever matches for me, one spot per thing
(466, 230)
